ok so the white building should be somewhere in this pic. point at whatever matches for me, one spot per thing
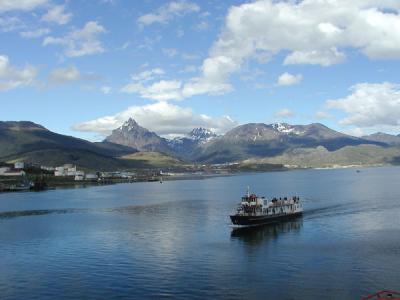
(71, 170)
(19, 165)
(4, 169)
(60, 171)
(66, 170)
(13, 173)
(79, 177)
(45, 168)
(91, 177)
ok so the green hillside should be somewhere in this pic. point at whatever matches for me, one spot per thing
(153, 160)
(83, 159)
(23, 137)
(321, 157)
(32, 143)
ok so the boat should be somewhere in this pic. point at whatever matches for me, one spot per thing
(19, 187)
(254, 210)
(383, 295)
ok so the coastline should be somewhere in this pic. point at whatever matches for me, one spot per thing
(67, 183)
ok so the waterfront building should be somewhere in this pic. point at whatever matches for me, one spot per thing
(45, 168)
(91, 177)
(4, 169)
(13, 172)
(79, 177)
(19, 165)
(59, 171)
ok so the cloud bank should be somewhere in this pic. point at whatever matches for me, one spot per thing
(315, 32)
(80, 42)
(12, 77)
(163, 118)
(370, 105)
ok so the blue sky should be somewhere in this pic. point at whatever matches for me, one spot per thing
(83, 67)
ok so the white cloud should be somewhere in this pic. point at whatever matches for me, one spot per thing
(171, 52)
(356, 131)
(188, 56)
(34, 33)
(67, 74)
(10, 23)
(312, 31)
(163, 118)
(320, 115)
(105, 90)
(162, 90)
(315, 57)
(57, 14)
(12, 77)
(202, 26)
(370, 105)
(284, 114)
(70, 74)
(148, 43)
(189, 69)
(148, 75)
(289, 79)
(8, 5)
(80, 42)
(167, 12)
(143, 84)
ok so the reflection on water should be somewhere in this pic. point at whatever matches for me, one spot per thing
(38, 212)
(256, 235)
(134, 209)
(151, 240)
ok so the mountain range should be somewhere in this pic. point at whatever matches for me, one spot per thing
(253, 140)
(34, 143)
(280, 143)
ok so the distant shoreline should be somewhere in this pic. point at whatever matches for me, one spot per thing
(68, 183)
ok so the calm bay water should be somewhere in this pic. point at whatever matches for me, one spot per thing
(174, 240)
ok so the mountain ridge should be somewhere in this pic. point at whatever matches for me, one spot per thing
(31, 142)
(131, 134)
(390, 139)
(251, 141)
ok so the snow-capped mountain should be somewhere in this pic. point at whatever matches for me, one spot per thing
(186, 145)
(265, 140)
(133, 135)
(242, 142)
(286, 128)
(201, 134)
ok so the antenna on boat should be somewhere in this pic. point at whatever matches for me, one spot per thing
(248, 191)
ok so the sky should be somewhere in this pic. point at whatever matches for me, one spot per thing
(82, 68)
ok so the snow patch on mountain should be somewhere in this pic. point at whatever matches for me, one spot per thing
(201, 134)
(286, 128)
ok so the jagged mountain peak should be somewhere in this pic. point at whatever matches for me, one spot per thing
(201, 133)
(130, 124)
(133, 135)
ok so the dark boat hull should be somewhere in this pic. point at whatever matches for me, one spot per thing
(261, 220)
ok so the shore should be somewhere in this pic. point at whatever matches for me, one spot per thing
(19, 185)
(13, 184)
